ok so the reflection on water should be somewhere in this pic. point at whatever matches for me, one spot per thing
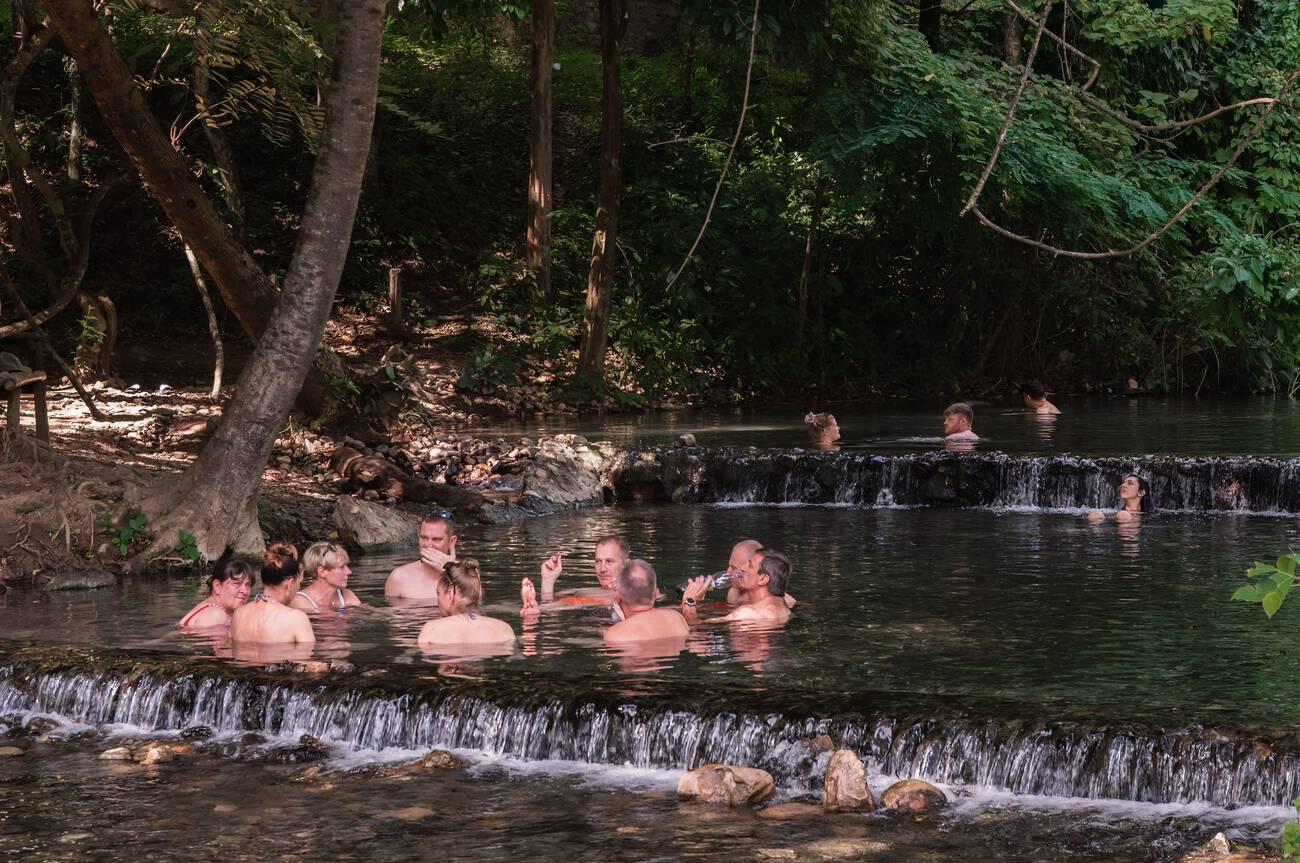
(1087, 426)
(1127, 620)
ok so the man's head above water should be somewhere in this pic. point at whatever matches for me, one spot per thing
(636, 584)
(611, 554)
(741, 552)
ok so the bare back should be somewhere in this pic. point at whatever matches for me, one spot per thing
(655, 624)
(770, 609)
(271, 623)
(463, 629)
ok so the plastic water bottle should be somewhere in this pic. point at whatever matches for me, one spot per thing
(716, 580)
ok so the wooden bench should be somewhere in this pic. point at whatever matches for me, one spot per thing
(12, 383)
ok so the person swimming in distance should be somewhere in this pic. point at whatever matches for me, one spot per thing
(1134, 500)
(611, 553)
(957, 421)
(228, 589)
(1035, 397)
(420, 578)
(328, 566)
(459, 594)
(268, 619)
(636, 587)
(764, 578)
(824, 431)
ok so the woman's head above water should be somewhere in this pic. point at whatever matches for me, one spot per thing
(1135, 494)
(230, 582)
(461, 588)
(822, 428)
(280, 565)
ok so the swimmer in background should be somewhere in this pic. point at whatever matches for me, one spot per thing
(1134, 500)
(610, 556)
(459, 593)
(824, 431)
(228, 589)
(420, 579)
(957, 421)
(1036, 398)
(328, 565)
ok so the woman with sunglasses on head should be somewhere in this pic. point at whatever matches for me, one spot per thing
(459, 595)
(228, 588)
(328, 566)
(269, 619)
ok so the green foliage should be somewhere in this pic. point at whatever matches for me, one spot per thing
(1291, 836)
(121, 538)
(487, 370)
(1271, 582)
(187, 547)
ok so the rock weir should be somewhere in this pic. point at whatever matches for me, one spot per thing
(679, 730)
(944, 479)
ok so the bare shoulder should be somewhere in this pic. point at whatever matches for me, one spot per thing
(498, 629)
(208, 618)
(301, 603)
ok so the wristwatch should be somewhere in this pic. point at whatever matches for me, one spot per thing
(689, 602)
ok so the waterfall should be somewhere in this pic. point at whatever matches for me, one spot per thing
(392, 708)
(994, 479)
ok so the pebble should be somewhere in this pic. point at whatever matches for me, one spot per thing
(411, 813)
(10, 752)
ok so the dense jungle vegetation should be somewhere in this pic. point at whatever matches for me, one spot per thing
(836, 256)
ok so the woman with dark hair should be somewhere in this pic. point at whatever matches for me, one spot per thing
(269, 619)
(228, 587)
(1134, 500)
(459, 595)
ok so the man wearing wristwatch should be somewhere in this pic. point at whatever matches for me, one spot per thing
(762, 579)
(741, 553)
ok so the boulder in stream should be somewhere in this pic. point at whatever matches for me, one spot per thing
(726, 784)
(372, 526)
(10, 752)
(441, 759)
(913, 795)
(117, 753)
(81, 581)
(846, 784)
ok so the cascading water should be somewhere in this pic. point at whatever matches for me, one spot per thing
(997, 480)
(387, 710)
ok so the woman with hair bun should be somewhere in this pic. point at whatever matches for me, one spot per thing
(459, 595)
(228, 587)
(269, 619)
(823, 429)
(1134, 500)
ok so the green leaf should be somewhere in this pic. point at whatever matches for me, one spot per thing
(1272, 602)
(1249, 593)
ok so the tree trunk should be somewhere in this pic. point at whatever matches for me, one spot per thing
(600, 279)
(929, 21)
(245, 288)
(222, 154)
(809, 246)
(539, 151)
(393, 322)
(1013, 39)
(213, 499)
(218, 350)
(75, 134)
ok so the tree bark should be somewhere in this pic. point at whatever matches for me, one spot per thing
(393, 322)
(76, 135)
(809, 247)
(539, 151)
(218, 350)
(600, 278)
(245, 288)
(929, 21)
(213, 499)
(222, 154)
(1013, 39)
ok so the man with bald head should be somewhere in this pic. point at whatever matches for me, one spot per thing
(636, 588)
(741, 553)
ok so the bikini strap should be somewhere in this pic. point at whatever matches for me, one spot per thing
(308, 598)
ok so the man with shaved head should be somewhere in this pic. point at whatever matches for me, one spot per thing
(741, 554)
(636, 587)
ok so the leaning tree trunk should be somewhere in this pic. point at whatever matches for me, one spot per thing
(539, 151)
(1013, 37)
(929, 21)
(600, 279)
(213, 499)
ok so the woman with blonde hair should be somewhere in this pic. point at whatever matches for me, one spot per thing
(328, 566)
(269, 619)
(459, 595)
(823, 429)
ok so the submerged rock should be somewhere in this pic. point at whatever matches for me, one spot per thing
(81, 581)
(11, 752)
(196, 732)
(372, 526)
(790, 811)
(154, 753)
(913, 795)
(726, 784)
(846, 784)
(117, 753)
(441, 759)
(41, 725)
(411, 813)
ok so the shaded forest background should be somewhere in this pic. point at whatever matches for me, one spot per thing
(835, 259)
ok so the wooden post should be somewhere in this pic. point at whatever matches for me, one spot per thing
(394, 321)
(15, 405)
(42, 412)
